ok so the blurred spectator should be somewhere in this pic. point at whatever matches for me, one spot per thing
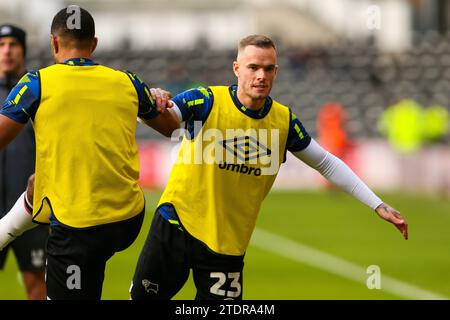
(402, 124)
(331, 129)
(436, 127)
(331, 133)
(436, 123)
(16, 165)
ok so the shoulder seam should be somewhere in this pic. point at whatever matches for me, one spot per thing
(128, 73)
(38, 74)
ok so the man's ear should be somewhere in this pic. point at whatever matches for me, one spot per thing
(94, 44)
(236, 68)
(54, 43)
(276, 71)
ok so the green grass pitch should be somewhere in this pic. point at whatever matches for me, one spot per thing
(329, 222)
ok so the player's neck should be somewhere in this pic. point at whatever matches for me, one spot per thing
(72, 54)
(248, 102)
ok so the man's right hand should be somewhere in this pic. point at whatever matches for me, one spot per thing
(161, 98)
(393, 216)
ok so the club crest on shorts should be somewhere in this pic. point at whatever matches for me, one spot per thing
(37, 258)
(150, 286)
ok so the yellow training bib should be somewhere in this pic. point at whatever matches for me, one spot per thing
(87, 164)
(222, 175)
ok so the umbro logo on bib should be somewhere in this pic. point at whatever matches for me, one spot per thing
(246, 148)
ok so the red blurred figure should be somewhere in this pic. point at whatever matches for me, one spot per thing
(331, 131)
(330, 126)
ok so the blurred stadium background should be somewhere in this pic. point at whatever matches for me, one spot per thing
(312, 242)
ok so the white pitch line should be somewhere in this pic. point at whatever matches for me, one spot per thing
(313, 257)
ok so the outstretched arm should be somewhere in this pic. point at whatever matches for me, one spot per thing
(337, 172)
(20, 105)
(9, 129)
(167, 120)
(393, 216)
(18, 219)
(154, 105)
(165, 123)
(187, 107)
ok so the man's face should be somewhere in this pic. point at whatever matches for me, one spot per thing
(256, 69)
(11, 56)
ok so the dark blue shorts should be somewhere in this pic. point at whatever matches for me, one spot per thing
(29, 250)
(168, 256)
(76, 258)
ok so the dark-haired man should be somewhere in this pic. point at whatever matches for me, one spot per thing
(16, 165)
(208, 210)
(87, 166)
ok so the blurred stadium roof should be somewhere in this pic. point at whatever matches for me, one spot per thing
(179, 24)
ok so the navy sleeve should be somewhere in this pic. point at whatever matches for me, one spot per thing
(298, 137)
(23, 100)
(147, 108)
(195, 104)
